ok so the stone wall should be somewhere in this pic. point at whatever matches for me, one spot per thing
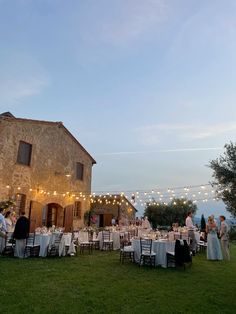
(54, 154)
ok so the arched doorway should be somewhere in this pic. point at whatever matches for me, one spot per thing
(53, 215)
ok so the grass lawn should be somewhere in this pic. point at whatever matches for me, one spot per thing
(98, 283)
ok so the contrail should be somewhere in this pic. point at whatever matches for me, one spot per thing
(174, 150)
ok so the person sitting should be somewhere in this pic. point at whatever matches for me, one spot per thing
(21, 233)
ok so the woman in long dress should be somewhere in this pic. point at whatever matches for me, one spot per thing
(213, 243)
(9, 222)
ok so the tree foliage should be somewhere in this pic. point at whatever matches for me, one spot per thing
(165, 215)
(203, 223)
(224, 174)
(6, 204)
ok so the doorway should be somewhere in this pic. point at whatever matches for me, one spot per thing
(54, 215)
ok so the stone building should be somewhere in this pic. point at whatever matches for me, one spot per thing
(106, 207)
(46, 170)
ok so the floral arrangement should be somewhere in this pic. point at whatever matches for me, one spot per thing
(6, 204)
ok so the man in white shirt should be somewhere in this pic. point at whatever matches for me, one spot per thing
(224, 238)
(191, 228)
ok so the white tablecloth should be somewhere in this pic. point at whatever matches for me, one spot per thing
(160, 247)
(83, 236)
(44, 240)
(115, 236)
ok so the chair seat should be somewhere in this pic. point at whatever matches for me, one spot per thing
(32, 245)
(85, 243)
(148, 253)
(127, 249)
(171, 253)
(202, 243)
(108, 241)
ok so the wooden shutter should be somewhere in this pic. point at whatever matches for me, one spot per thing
(24, 153)
(60, 217)
(107, 219)
(68, 221)
(35, 215)
(79, 171)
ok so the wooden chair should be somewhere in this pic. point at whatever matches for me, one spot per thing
(181, 255)
(147, 256)
(107, 243)
(9, 245)
(31, 249)
(202, 246)
(86, 245)
(53, 248)
(95, 241)
(126, 252)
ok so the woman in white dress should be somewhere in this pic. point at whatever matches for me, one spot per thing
(9, 222)
(213, 243)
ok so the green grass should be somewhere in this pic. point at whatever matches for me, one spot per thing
(98, 283)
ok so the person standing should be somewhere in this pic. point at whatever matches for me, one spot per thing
(191, 228)
(9, 222)
(213, 243)
(224, 238)
(3, 230)
(113, 221)
(21, 233)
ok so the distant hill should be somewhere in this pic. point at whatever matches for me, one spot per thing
(230, 221)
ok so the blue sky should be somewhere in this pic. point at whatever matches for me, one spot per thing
(136, 81)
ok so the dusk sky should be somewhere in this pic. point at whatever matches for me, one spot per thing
(146, 86)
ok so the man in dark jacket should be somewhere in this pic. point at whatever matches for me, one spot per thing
(21, 233)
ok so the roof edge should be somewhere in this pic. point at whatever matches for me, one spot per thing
(59, 124)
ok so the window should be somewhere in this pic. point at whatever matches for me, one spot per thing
(79, 171)
(20, 203)
(24, 153)
(77, 210)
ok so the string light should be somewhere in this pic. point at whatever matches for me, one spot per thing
(139, 197)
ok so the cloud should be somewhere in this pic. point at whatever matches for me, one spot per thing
(171, 150)
(124, 21)
(153, 134)
(20, 77)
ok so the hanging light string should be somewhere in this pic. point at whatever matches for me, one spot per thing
(197, 193)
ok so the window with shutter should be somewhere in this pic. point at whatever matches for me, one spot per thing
(20, 203)
(24, 153)
(79, 171)
(77, 210)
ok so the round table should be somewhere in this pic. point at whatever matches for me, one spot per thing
(160, 247)
(44, 240)
(115, 236)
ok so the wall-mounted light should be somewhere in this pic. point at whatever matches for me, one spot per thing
(66, 174)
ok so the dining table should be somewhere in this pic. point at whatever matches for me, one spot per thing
(115, 237)
(44, 240)
(160, 247)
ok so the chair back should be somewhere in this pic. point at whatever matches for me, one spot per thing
(57, 239)
(146, 245)
(182, 252)
(90, 236)
(9, 239)
(30, 239)
(106, 235)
